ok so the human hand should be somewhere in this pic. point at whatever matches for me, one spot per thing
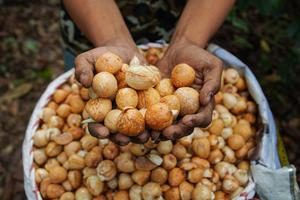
(84, 72)
(208, 70)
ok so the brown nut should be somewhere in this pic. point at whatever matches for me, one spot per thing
(105, 85)
(88, 142)
(127, 97)
(74, 178)
(43, 186)
(53, 149)
(57, 174)
(176, 176)
(125, 163)
(201, 147)
(63, 110)
(39, 156)
(63, 139)
(135, 192)
(110, 151)
(74, 162)
(235, 141)
(172, 194)
(40, 174)
(67, 185)
(215, 156)
(94, 185)
(169, 161)
(138, 149)
(201, 191)
(72, 148)
(52, 162)
(83, 193)
(189, 100)
(183, 75)
(74, 120)
(158, 116)
(41, 138)
(98, 108)
(165, 87)
(124, 181)
(76, 104)
(151, 191)
(159, 175)
(131, 122)
(185, 190)
(55, 122)
(179, 151)
(165, 147)
(216, 127)
(108, 62)
(93, 157)
(60, 95)
(147, 98)
(121, 195)
(140, 177)
(195, 175)
(67, 196)
(106, 170)
(143, 163)
(54, 191)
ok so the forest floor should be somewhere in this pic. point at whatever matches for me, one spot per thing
(31, 56)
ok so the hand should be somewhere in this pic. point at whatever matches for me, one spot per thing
(84, 72)
(208, 70)
(85, 62)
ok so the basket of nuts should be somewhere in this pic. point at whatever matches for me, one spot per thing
(63, 161)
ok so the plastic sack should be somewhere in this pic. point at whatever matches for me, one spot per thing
(266, 156)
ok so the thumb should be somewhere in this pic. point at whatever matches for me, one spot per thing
(84, 67)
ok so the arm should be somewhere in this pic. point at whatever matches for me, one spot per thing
(198, 23)
(102, 23)
(200, 20)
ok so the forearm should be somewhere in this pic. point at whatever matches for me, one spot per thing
(100, 21)
(200, 20)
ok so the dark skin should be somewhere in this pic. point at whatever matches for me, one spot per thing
(103, 25)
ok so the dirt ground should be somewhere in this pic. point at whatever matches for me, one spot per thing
(31, 56)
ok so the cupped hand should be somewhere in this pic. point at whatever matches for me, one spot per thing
(85, 62)
(208, 70)
(84, 72)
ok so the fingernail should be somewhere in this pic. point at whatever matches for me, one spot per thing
(209, 96)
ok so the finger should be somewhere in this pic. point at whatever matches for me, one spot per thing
(177, 131)
(202, 118)
(141, 138)
(98, 130)
(212, 80)
(84, 67)
(119, 139)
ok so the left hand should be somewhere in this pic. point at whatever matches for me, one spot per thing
(208, 70)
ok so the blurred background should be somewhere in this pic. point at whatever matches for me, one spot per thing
(264, 34)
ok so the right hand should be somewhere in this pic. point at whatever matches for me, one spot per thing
(84, 72)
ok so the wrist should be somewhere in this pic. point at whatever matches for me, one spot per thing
(183, 38)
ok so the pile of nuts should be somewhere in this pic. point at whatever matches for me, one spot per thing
(211, 163)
